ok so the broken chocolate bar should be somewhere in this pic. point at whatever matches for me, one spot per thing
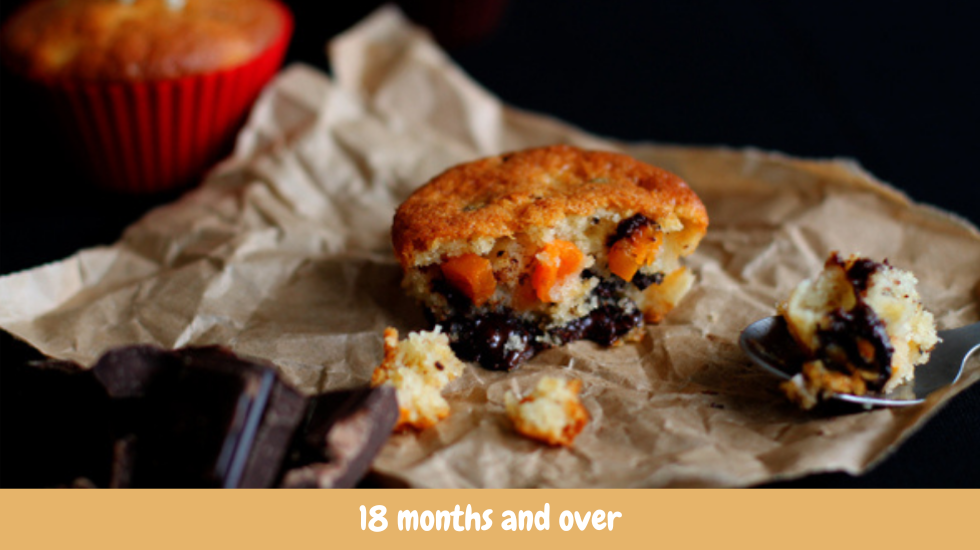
(343, 433)
(198, 417)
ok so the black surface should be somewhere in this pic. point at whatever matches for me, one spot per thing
(892, 85)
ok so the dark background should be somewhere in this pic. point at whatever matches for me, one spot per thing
(893, 86)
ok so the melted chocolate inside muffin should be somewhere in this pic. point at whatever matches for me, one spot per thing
(629, 227)
(856, 340)
(502, 340)
(497, 341)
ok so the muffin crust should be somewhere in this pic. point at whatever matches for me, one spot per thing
(501, 196)
(108, 40)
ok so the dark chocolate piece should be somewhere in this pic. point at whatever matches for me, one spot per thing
(197, 417)
(343, 433)
(500, 340)
(629, 226)
(609, 322)
(860, 272)
(273, 436)
(497, 341)
(643, 280)
(459, 301)
(604, 325)
(62, 430)
(856, 341)
(127, 372)
(609, 290)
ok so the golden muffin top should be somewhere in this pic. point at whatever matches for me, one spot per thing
(505, 195)
(138, 39)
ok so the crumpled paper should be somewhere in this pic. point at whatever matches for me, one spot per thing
(284, 254)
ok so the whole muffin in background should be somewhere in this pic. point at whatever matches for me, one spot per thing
(151, 92)
(138, 40)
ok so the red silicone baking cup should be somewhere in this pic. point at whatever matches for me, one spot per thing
(155, 135)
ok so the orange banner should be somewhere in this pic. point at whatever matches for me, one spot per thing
(403, 519)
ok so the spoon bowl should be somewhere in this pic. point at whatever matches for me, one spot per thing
(770, 345)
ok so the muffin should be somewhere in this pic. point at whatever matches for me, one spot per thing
(552, 412)
(863, 326)
(418, 367)
(151, 91)
(516, 253)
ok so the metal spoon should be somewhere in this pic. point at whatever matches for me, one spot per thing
(769, 344)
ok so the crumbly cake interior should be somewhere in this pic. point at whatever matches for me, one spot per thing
(418, 367)
(862, 323)
(552, 412)
(596, 277)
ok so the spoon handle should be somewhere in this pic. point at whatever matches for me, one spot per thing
(957, 345)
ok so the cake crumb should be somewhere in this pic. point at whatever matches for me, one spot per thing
(815, 383)
(552, 412)
(418, 367)
(863, 327)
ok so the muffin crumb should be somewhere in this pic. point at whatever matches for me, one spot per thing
(863, 326)
(552, 412)
(418, 367)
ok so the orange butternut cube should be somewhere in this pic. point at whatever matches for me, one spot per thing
(628, 255)
(555, 262)
(472, 275)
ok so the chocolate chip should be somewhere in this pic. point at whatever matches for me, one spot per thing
(629, 226)
(457, 300)
(497, 341)
(841, 344)
(604, 325)
(860, 274)
(643, 280)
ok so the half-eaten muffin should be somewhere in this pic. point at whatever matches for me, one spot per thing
(524, 251)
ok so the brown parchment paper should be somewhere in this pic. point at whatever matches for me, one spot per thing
(284, 254)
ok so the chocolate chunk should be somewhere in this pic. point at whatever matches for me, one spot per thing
(842, 349)
(127, 372)
(459, 301)
(628, 227)
(62, 431)
(502, 341)
(860, 274)
(343, 433)
(604, 325)
(643, 280)
(196, 417)
(497, 341)
(608, 290)
(614, 318)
